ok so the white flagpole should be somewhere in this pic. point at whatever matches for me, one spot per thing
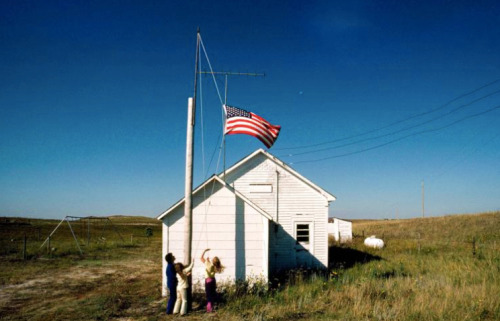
(188, 190)
(188, 206)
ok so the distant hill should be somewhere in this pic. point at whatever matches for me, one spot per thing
(463, 227)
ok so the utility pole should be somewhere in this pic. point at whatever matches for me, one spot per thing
(188, 205)
(423, 199)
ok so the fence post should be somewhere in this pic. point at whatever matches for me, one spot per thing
(48, 246)
(24, 248)
(418, 235)
(474, 246)
(88, 231)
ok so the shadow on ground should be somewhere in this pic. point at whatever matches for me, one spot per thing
(341, 257)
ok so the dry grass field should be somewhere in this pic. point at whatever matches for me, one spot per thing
(112, 280)
(443, 268)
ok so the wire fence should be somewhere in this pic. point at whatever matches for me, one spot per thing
(19, 239)
(27, 247)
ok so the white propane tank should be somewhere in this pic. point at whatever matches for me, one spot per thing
(374, 242)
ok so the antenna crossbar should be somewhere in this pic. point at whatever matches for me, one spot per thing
(231, 73)
(226, 74)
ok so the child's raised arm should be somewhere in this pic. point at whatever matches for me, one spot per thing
(188, 269)
(202, 258)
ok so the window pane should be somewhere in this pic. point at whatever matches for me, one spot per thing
(303, 239)
(302, 233)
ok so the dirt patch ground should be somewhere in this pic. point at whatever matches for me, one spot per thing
(52, 290)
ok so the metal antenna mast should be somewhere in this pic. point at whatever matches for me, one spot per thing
(229, 73)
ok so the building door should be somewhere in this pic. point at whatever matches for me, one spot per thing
(303, 243)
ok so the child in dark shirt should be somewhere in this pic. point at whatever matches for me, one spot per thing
(171, 282)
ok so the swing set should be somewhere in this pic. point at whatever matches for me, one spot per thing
(83, 226)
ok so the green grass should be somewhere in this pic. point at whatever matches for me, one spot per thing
(429, 270)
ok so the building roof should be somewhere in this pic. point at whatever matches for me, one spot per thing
(330, 197)
(331, 219)
(214, 179)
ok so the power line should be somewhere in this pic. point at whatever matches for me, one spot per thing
(448, 166)
(396, 122)
(400, 138)
(397, 131)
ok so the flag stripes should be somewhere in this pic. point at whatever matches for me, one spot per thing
(239, 121)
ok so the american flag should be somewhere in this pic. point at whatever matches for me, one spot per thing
(239, 121)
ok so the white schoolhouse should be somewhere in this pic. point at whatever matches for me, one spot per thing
(262, 217)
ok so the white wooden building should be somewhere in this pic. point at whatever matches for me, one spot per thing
(341, 230)
(262, 217)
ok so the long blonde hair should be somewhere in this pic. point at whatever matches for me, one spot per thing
(219, 268)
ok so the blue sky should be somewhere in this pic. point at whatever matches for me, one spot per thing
(93, 101)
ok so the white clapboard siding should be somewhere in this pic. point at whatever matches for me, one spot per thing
(249, 221)
(290, 200)
(340, 230)
(233, 230)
